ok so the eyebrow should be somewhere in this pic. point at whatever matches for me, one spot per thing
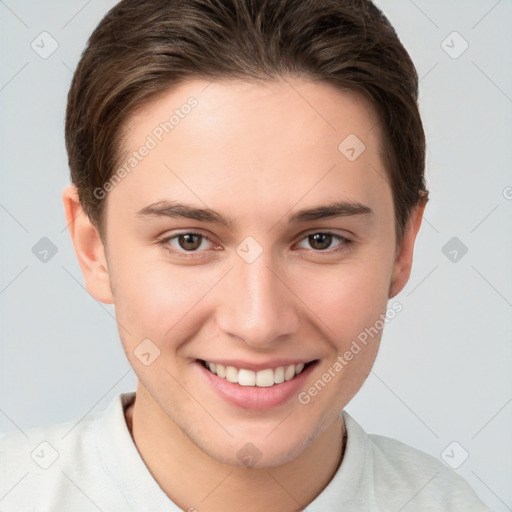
(181, 210)
(338, 209)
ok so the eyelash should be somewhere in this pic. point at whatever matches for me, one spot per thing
(344, 243)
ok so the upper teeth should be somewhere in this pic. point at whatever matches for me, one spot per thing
(263, 379)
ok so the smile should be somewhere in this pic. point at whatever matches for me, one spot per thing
(265, 378)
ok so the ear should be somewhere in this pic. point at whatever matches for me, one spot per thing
(88, 247)
(403, 259)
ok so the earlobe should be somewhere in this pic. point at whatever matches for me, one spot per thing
(88, 247)
(403, 260)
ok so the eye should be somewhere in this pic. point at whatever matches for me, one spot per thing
(190, 244)
(321, 241)
(183, 243)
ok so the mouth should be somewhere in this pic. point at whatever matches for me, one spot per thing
(264, 378)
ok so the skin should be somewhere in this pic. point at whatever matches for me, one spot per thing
(255, 153)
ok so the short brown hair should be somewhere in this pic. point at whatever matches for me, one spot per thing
(144, 47)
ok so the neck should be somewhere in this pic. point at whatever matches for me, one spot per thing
(194, 480)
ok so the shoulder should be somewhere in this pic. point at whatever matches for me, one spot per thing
(43, 467)
(41, 447)
(404, 477)
(35, 461)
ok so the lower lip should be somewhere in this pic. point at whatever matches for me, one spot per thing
(253, 397)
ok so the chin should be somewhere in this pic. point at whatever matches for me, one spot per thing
(262, 451)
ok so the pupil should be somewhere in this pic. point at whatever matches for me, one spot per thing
(320, 240)
(190, 241)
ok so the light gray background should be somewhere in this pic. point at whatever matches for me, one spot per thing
(443, 373)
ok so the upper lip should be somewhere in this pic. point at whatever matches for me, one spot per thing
(275, 363)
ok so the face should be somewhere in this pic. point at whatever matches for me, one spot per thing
(247, 237)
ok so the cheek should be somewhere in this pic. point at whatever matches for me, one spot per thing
(346, 298)
(352, 301)
(157, 300)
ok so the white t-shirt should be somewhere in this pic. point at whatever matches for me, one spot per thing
(93, 465)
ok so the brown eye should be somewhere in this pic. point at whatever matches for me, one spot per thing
(187, 244)
(189, 241)
(320, 241)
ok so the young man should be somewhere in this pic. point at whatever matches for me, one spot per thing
(247, 189)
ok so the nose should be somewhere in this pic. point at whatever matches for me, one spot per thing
(257, 304)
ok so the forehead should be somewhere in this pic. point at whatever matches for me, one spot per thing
(286, 137)
(224, 106)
